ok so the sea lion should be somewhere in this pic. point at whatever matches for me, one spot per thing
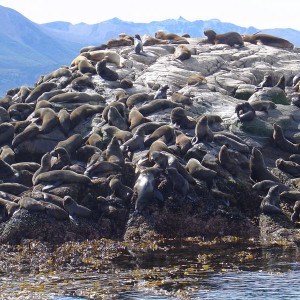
(105, 72)
(44, 167)
(195, 80)
(60, 72)
(94, 140)
(135, 143)
(263, 105)
(295, 158)
(198, 171)
(282, 143)
(182, 53)
(54, 211)
(180, 119)
(245, 112)
(83, 111)
(93, 48)
(81, 83)
(161, 93)
(145, 189)
(7, 154)
(138, 45)
(230, 142)
(7, 132)
(31, 204)
(120, 42)
(296, 211)
(183, 142)
(180, 98)
(150, 41)
(13, 188)
(48, 118)
(120, 190)
(116, 119)
(202, 131)
(39, 90)
(258, 169)
(118, 105)
(110, 131)
(111, 56)
(102, 168)
(157, 105)
(45, 97)
(179, 184)
(114, 153)
(268, 40)
(288, 166)
(72, 143)
(281, 83)
(62, 158)
(29, 132)
(171, 37)
(296, 79)
(226, 161)
(135, 118)
(164, 132)
(9, 206)
(230, 38)
(64, 121)
(74, 209)
(20, 111)
(84, 66)
(265, 185)
(76, 97)
(270, 204)
(6, 101)
(126, 83)
(267, 82)
(137, 98)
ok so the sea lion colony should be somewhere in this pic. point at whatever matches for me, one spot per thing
(81, 154)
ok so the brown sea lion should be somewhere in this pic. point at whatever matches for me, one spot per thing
(9, 206)
(180, 119)
(20, 111)
(84, 66)
(157, 105)
(183, 142)
(267, 82)
(114, 153)
(296, 212)
(7, 154)
(268, 40)
(114, 118)
(76, 97)
(150, 41)
(83, 111)
(135, 118)
(281, 83)
(202, 131)
(230, 38)
(62, 158)
(64, 121)
(231, 142)
(29, 132)
(47, 117)
(180, 185)
(182, 53)
(45, 166)
(196, 79)
(74, 209)
(113, 43)
(137, 98)
(172, 37)
(288, 166)
(72, 143)
(120, 190)
(270, 204)
(81, 83)
(111, 56)
(39, 90)
(164, 132)
(118, 105)
(226, 161)
(180, 98)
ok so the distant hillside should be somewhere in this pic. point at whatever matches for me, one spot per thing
(29, 50)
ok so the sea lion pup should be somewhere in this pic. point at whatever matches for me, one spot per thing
(116, 119)
(161, 93)
(281, 83)
(198, 171)
(245, 112)
(270, 204)
(119, 42)
(180, 98)
(157, 105)
(267, 82)
(182, 53)
(105, 72)
(7, 154)
(39, 90)
(171, 37)
(29, 132)
(282, 143)
(195, 80)
(114, 153)
(179, 184)
(146, 189)
(84, 66)
(74, 209)
(120, 190)
(64, 121)
(296, 211)
(202, 131)
(138, 45)
(258, 169)
(83, 111)
(62, 158)
(135, 118)
(183, 142)
(179, 119)
(48, 118)
(288, 166)
(268, 40)
(165, 132)
(230, 38)
(165, 159)
(7, 132)
(265, 185)
(137, 98)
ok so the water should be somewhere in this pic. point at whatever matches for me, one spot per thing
(223, 272)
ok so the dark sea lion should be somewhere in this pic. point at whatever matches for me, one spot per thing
(46, 96)
(31, 204)
(265, 185)
(157, 105)
(29, 132)
(118, 105)
(268, 40)
(145, 189)
(62, 158)
(7, 132)
(179, 184)
(245, 112)
(93, 48)
(202, 131)
(110, 131)
(258, 169)
(283, 143)
(281, 83)
(164, 132)
(4, 115)
(231, 143)
(20, 111)
(263, 105)
(7, 154)
(81, 83)
(74, 209)
(39, 90)
(105, 72)
(180, 119)
(288, 166)
(13, 188)
(296, 79)
(138, 45)
(161, 93)
(54, 211)
(226, 161)
(102, 168)
(6, 101)
(267, 82)
(182, 53)
(43, 104)
(126, 83)
(64, 121)
(230, 38)
(183, 142)
(135, 143)
(270, 204)
(60, 72)
(295, 158)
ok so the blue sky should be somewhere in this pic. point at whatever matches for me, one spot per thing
(258, 13)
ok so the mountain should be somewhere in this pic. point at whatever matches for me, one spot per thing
(29, 50)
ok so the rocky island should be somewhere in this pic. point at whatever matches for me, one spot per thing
(144, 139)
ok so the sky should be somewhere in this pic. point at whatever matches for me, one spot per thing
(261, 14)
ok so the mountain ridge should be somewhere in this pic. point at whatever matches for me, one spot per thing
(29, 49)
